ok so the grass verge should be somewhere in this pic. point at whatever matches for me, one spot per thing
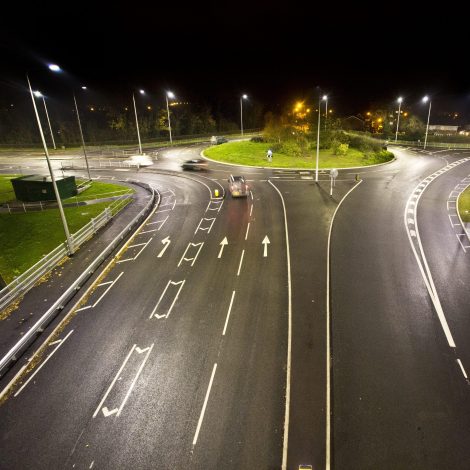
(254, 154)
(464, 205)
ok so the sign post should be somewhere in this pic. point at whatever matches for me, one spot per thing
(333, 175)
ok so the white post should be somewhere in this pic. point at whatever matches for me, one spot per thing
(331, 185)
(137, 124)
(49, 122)
(241, 114)
(54, 185)
(326, 112)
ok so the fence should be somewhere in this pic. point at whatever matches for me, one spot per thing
(25, 281)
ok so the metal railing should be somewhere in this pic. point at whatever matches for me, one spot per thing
(60, 303)
(26, 280)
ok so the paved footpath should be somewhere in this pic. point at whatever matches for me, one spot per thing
(42, 296)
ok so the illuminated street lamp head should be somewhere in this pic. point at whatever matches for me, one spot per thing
(37, 94)
(325, 97)
(400, 99)
(84, 88)
(54, 68)
(245, 97)
(170, 94)
(426, 99)
(142, 92)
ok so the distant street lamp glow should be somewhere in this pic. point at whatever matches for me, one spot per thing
(142, 92)
(400, 99)
(37, 94)
(84, 88)
(425, 100)
(171, 95)
(54, 68)
(243, 97)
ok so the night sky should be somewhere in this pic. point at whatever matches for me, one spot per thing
(214, 51)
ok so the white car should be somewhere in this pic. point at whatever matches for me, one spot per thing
(139, 160)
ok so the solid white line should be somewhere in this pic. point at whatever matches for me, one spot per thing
(201, 417)
(105, 283)
(289, 336)
(134, 381)
(138, 244)
(251, 210)
(13, 380)
(43, 364)
(328, 340)
(251, 194)
(84, 308)
(247, 230)
(106, 291)
(241, 261)
(149, 231)
(228, 313)
(461, 367)
(200, 222)
(137, 255)
(114, 381)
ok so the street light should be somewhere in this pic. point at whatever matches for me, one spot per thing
(142, 92)
(243, 97)
(70, 246)
(171, 95)
(324, 98)
(38, 94)
(425, 100)
(81, 134)
(399, 100)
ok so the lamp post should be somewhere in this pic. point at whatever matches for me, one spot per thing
(171, 95)
(324, 98)
(70, 246)
(81, 134)
(142, 92)
(243, 97)
(400, 99)
(425, 100)
(38, 94)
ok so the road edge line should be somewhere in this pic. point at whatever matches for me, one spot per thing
(328, 342)
(289, 336)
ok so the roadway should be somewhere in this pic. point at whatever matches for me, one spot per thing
(183, 361)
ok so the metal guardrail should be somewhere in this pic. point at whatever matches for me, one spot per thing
(26, 280)
(60, 303)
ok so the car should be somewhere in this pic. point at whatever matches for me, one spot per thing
(237, 186)
(197, 164)
(218, 139)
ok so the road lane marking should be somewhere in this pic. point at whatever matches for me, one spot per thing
(154, 314)
(113, 382)
(265, 242)
(166, 241)
(107, 290)
(195, 257)
(149, 231)
(212, 219)
(136, 376)
(251, 210)
(462, 369)
(222, 243)
(241, 261)
(289, 336)
(328, 334)
(201, 417)
(228, 313)
(461, 244)
(43, 364)
(162, 222)
(247, 230)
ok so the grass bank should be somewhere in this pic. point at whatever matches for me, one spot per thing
(464, 205)
(254, 154)
(26, 237)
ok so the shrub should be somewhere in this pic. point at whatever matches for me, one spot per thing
(258, 139)
(342, 149)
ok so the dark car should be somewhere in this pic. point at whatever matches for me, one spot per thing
(237, 186)
(198, 165)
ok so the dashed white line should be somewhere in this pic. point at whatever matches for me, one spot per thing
(228, 313)
(462, 369)
(251, 210)
(241, 261)
(206, 399)
(247, 230)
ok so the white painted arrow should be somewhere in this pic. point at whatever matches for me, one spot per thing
(166, 241)
(265, 242)
(107, 413)
(223, 243)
